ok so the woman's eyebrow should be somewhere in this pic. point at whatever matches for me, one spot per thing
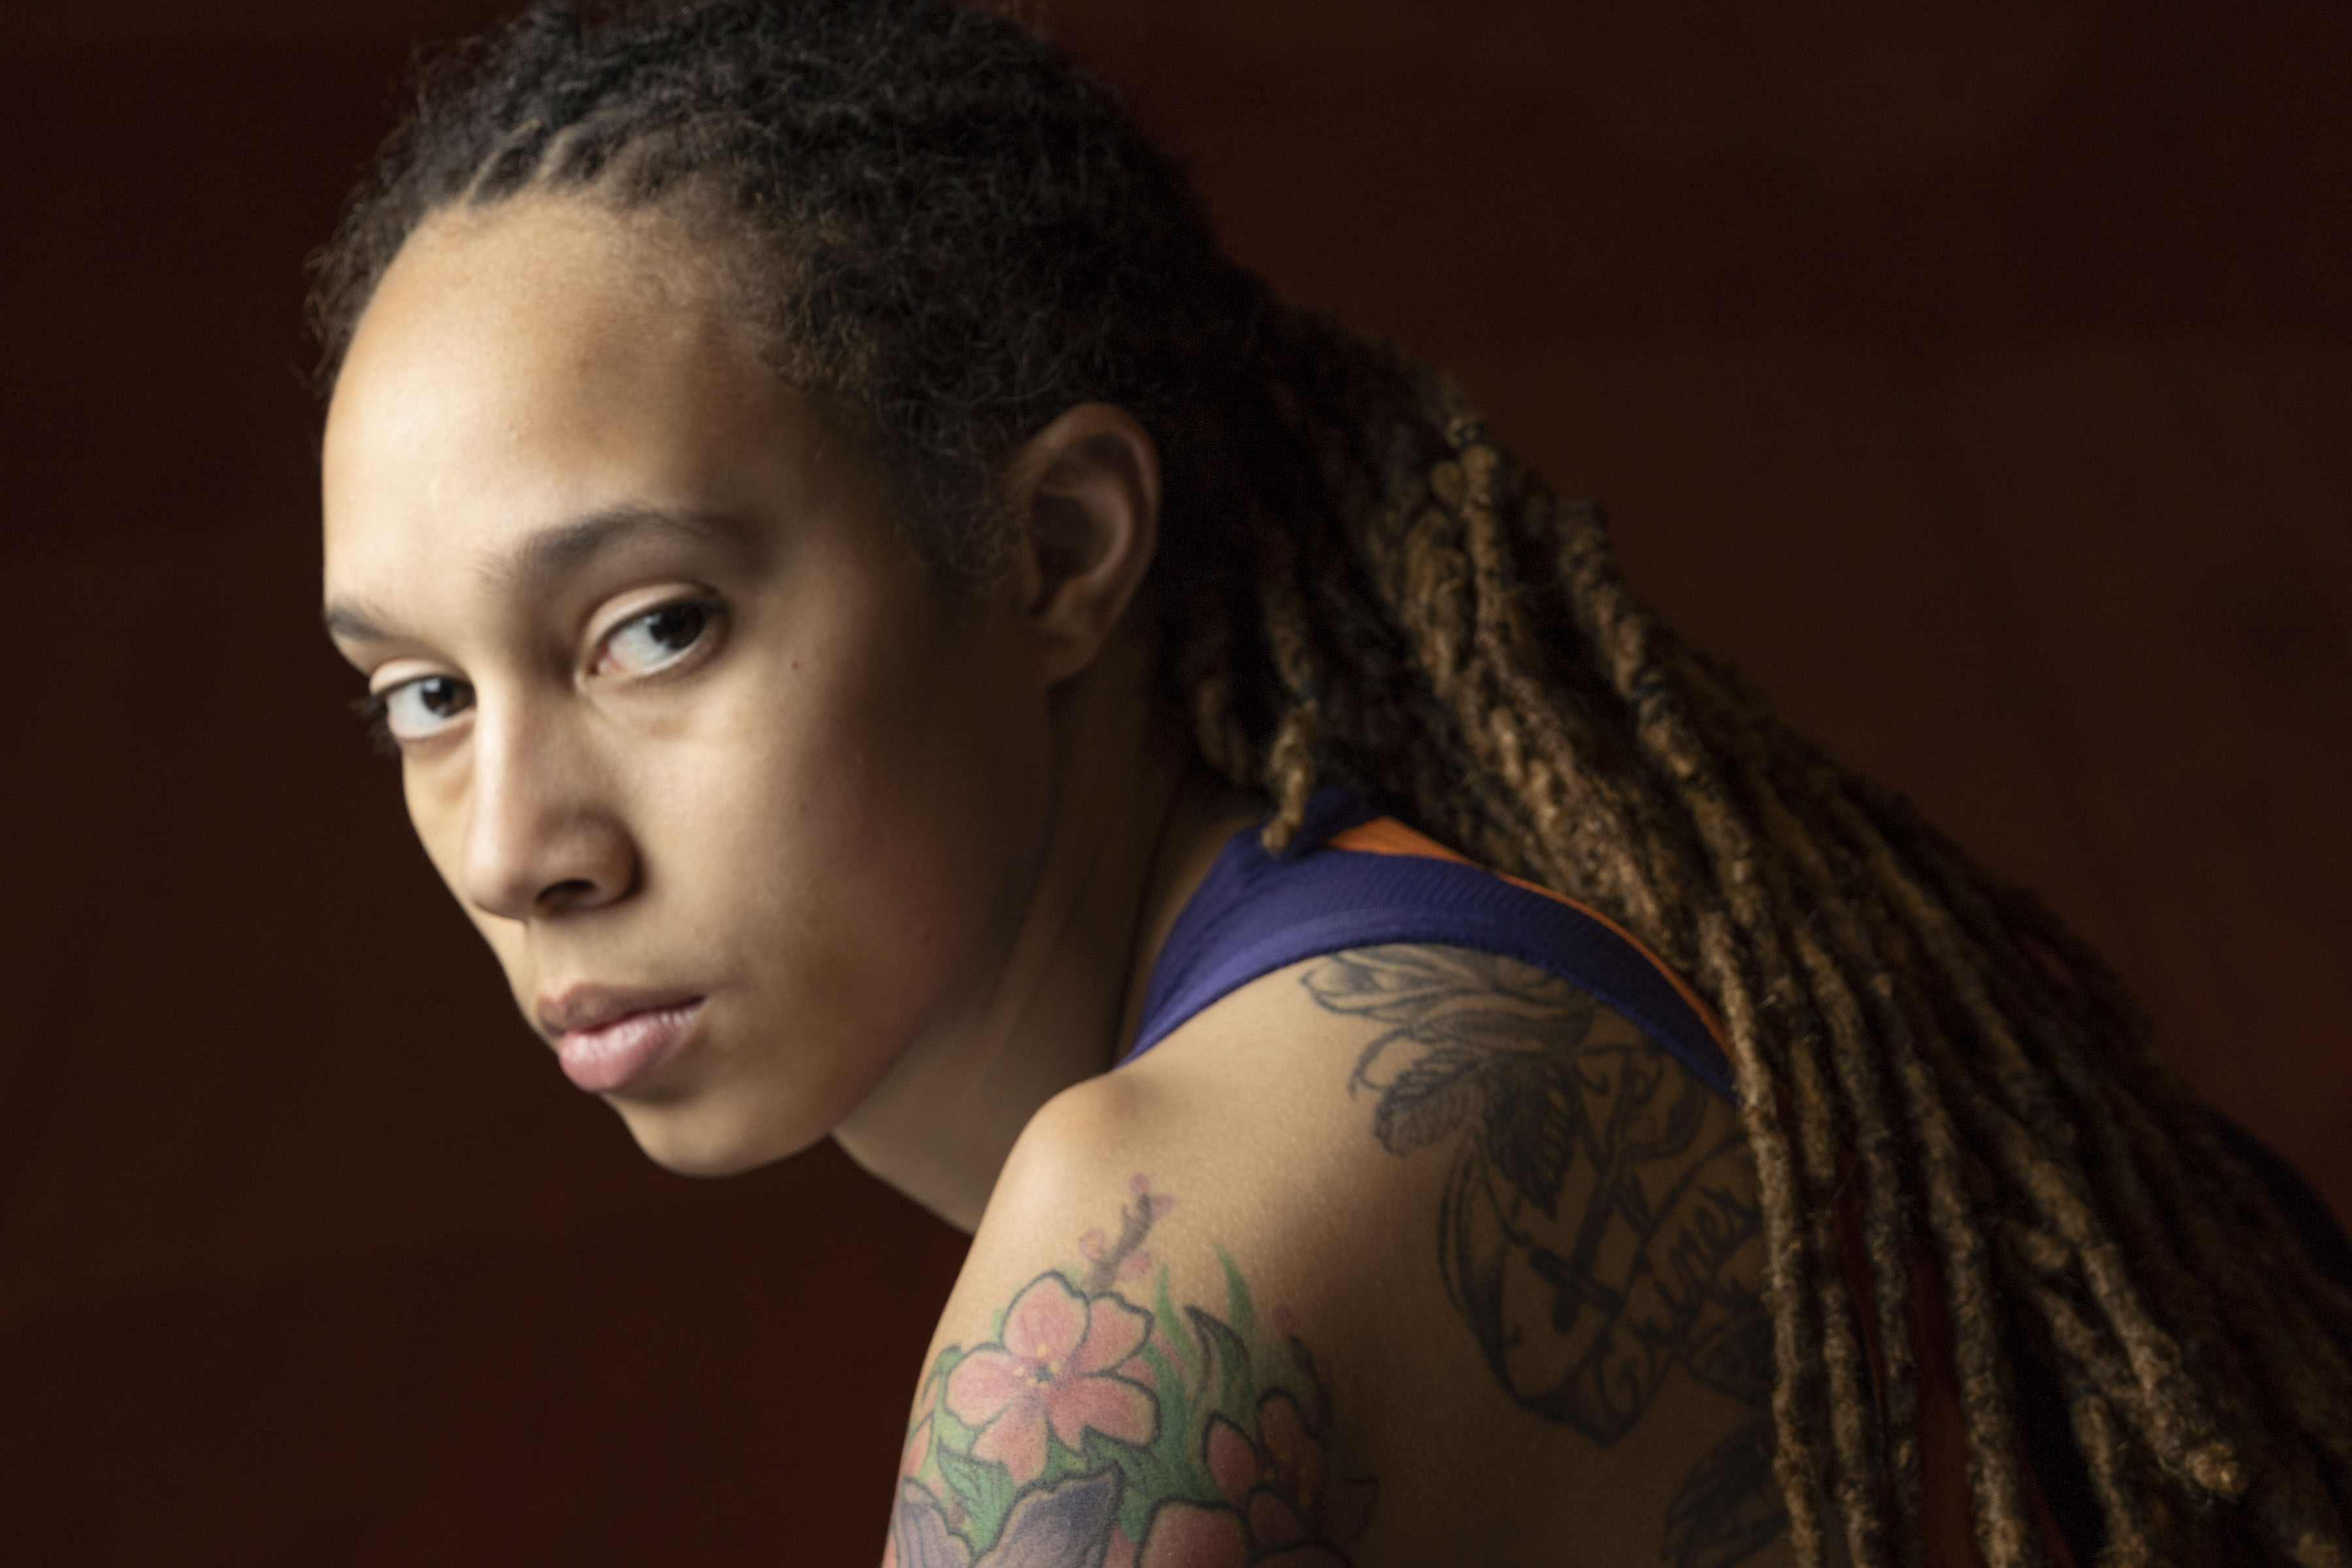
(353, 620)
(543, 559)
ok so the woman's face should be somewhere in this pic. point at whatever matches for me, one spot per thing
(742, 803)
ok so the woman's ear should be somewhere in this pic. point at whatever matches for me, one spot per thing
(1085, 490)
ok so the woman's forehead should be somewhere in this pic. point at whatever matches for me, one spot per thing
(547, 298)
(527, 377)
(540, 360)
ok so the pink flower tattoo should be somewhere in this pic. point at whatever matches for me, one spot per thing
(1053, 1371)
(1281, 1481)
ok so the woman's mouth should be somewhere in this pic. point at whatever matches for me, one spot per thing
(608, 1047)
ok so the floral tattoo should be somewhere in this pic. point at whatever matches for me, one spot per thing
(1094, 1433)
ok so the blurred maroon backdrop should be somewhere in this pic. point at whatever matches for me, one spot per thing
(1979, 377)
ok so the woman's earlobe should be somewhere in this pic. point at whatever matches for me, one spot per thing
(1087, 490)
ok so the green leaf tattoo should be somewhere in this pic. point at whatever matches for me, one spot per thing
(1096, 1433)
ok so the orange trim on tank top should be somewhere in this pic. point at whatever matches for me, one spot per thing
(1387, 835)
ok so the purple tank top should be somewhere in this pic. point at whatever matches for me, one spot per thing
(1256, 913)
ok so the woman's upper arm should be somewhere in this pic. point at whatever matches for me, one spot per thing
(1276, 1287)
(1112, 1382)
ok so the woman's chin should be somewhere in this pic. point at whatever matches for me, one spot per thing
(690, 1139)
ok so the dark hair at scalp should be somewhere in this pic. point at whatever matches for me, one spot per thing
(957, 234)
(953, 229)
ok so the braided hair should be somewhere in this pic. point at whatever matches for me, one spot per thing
(951, 235)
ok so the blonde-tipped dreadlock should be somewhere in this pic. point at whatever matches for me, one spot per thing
(1883, 994)
(961, 236)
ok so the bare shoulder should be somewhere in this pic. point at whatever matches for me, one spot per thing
(1400, 1255)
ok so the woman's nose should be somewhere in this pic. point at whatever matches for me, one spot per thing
(545, 837)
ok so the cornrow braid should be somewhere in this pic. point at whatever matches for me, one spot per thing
(949, 234)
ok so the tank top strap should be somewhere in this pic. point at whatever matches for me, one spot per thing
(1355, 878)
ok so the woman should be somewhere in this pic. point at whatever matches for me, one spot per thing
(884, 626)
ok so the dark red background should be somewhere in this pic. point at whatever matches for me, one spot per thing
(1981, 379)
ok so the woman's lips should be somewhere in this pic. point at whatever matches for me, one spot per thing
(622, 1050)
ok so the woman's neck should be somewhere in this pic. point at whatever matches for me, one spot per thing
(1138, 822)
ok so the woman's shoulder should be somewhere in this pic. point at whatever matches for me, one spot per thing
(1412, 1253)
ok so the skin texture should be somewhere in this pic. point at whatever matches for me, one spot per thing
(1327, 1134)
(1103, 1423)
(682, 716)
(899, 849)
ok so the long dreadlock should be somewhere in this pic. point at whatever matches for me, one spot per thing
(961, 235)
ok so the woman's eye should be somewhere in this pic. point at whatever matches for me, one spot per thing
(417, 710)
(658, 638)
